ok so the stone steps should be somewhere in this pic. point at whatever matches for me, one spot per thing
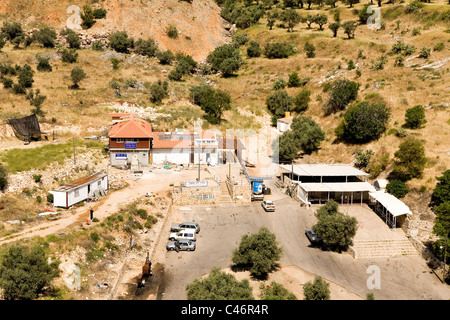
(382, 248)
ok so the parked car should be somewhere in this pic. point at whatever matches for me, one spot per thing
(268, 205)
(187, 234)
(185, 225)
(181, 245)
(313, 237)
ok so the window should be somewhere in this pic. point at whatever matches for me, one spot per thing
(119, 140)
(77, 193)
(99, 183)
(132, 140)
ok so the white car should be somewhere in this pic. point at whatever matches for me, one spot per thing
(185, 234)
(268, 205)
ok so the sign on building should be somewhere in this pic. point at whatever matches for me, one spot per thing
(195, 184)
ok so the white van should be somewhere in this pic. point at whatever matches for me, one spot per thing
(187, 234)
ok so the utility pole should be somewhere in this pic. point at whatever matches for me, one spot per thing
(199, 153)
(74, 160)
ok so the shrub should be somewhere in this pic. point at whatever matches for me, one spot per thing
(439, 46)
(7, 82)
(26, 76)
(146, 47)
(219, 285)
(46, 37)
(363, 158)
(72, 38)
(25, 273)
(425, 53)
(278, 50)
(69, 55)
(279, 84)
(294, 80)
(50, 198)
(342, 93)
(159, 91)
(3, 178)
(115, 63)
(99, 13)
(241, 39)
(18, 89)
(317, 290)
(310, 50)
(172, 32)
(87, 17)
(95, 237)
(302, 100)
(397, 188)
(415, 117)
(275, 291)
(97, 46)
(43, 64)
(253, 50)
(13, 32)
(120, 42)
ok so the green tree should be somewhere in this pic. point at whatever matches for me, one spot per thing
(120, 42)
(278, 103)
(213, 101)
(397, 188)
(350, 28)
(364, 122)
(77, 75)
(294, 80)
(259, 252)
(363, 158)
(225, 59)
(286, 148)
(278, 50)
(321, 19)
(415, 117)
(336, 229)
(442, 221)
(13, 32)
(291, 17)
(317, 290)
(275, 291)
(219, 285)
(36, 100)
(410, 160)
(441, 192)
(24, 273)
(334, 27)
(308, 133)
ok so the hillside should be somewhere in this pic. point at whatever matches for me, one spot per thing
(200, 26)
(78, 113)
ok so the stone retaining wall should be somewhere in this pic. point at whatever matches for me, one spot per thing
(240, 192)
(197, 195)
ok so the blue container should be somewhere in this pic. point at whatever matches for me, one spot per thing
(257, 186)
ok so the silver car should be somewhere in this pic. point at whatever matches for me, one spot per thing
(185, 225)
(181, 245)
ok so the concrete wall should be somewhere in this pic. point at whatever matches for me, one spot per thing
(197, 195)
(177, 156)
(143, 156)
(240, 191)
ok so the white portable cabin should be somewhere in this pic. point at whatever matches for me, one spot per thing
(80, 190)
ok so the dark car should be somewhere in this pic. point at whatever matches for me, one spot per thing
(313, 237)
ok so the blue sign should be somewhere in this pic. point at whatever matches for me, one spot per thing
(121, 156)
(130, 145)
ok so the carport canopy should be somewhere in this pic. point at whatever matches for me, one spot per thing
(395, 206)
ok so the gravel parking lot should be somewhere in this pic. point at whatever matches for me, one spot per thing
(223, 225)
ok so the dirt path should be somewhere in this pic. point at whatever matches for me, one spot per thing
(158, 180)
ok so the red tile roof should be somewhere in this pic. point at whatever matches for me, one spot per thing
(131, 127)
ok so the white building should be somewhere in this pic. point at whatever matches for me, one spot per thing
(284, 124)
(80, 190)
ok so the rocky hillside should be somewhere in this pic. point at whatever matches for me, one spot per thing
(199, 24)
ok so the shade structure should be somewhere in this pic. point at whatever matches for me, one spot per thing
(395, 206)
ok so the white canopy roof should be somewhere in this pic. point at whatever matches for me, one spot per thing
(323, 170)
(337, 187)
(391, 203)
